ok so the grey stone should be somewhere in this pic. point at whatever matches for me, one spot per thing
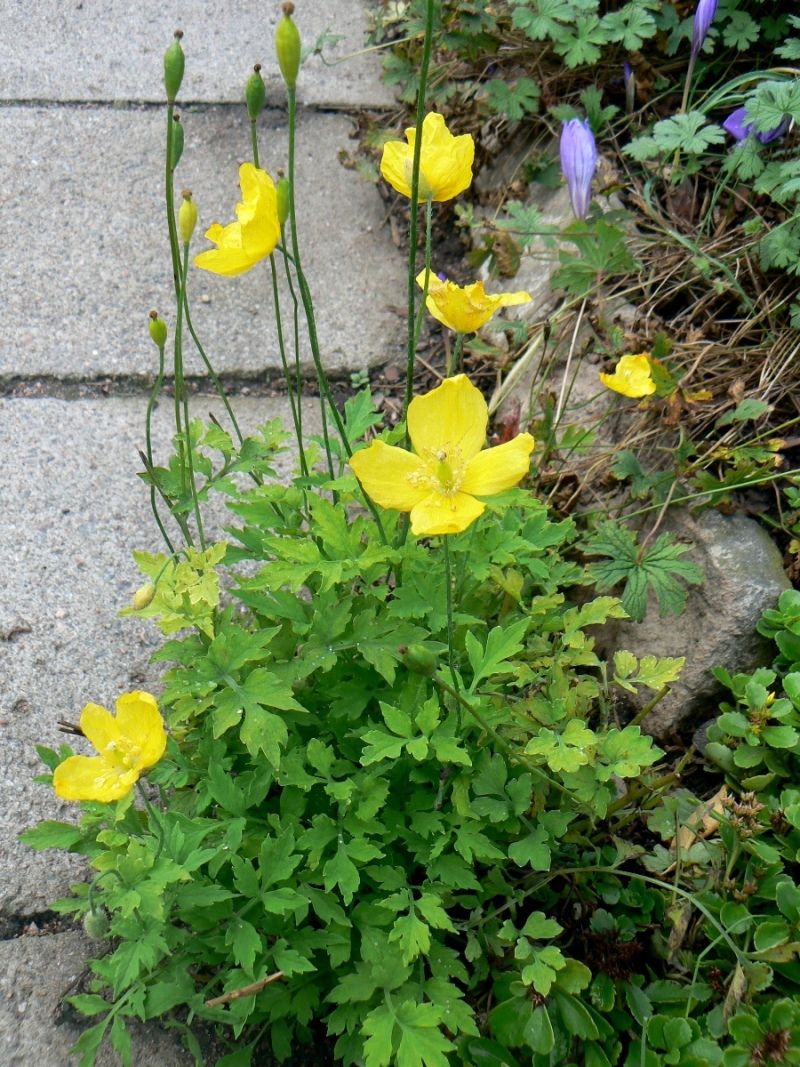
(73, 509)
(35, 975)
(743, 576)
(82, 191)
(113, 51)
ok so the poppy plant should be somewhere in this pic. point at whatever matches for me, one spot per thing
(633, 376)
(439, 481)
(464, 308)
(445, 163)
(254, 235)
(127, 745)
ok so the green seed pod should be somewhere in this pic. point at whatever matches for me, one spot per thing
(419, 659)
(158, 329)
(144, 596)
(187, 216)
(287, 46)
(174, 63)
(96, 925)
(282, 190)
(255, 93)
(177, 142)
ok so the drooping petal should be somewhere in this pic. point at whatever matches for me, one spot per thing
(496, 469)
(242, 244)
(508, 300)
(388, 475)
(450, 418)
(99, 726)
(445, 514)
(632, 376)
(140, 722)
(395, 168)
(464, 309)
(91, 778)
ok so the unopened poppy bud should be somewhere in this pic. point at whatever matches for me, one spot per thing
(282, 190)
(158, 329)
(187, 216)
(96, 925)
(177, 142)
(255, 93)
(144, 596)
(174, 62)
(419, 659)
(287, 46)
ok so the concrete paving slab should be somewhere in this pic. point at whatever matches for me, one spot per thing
(103, 51)
(35, 974)
(71, 511)
(82, 192)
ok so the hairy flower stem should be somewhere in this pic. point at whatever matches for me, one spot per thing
(182, 398)
(298, 378)
(448, 581)
(220, 388)
(148, 437)
(294, 402)
(456, 355)
(412, 235)
(428, 245)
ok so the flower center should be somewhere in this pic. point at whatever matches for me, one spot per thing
(424, 190)
(442, 471)
(123, 753)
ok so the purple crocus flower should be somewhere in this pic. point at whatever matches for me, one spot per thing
(703, 17)
(578, 162)
(739, 127)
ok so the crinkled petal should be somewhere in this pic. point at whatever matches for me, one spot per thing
(253, 237)
(99, 727)
(385, 472)
(508, 300)
(445, 514)
(464, 309)
(453, 416)
(140, 722)
(445, 160)
(632, 377)
(91, 778)
(395, 166)
(496, 469)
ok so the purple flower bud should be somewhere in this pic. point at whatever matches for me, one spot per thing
(578, 162)
(739, 127)
(630, 86)
(703, 17)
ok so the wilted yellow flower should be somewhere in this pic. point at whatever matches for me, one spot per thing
(445, 163)
(242, 244)
(439, 481)
(464, 308)
(127, 745)
(633, 376)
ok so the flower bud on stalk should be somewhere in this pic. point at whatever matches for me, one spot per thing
(143, 597)
(96, 925)
(174, 62)
(187, 216)
(177, 142)
(578, 163)
(282, 190)
(158, 329)
(255, 93)
(703, 17)
(418, 659)
(287, 46)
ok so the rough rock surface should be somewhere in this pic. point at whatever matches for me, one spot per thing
(743, 576)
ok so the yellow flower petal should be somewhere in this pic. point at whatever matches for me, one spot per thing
(253, 237)
(632, 376)
(449, 422)
(99, 726)
(384, 472)
(464, 308)
(91, 778)
(440, 514)
(445, 161)
(140, 722)
(496, 469)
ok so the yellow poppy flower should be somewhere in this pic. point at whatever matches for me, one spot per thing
(445, 163)
(464, 308)
(242, 244)
(127, 745)
(633, 376)
(439, 480)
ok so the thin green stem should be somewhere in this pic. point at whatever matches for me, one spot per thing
(455, 355)
(254, 141)
(448, 579)
(182, 397)
(296, 329)
(412, 236)
(148, 436)
(220, 388)
(170, 197)
(428, 246)
(294, 403)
